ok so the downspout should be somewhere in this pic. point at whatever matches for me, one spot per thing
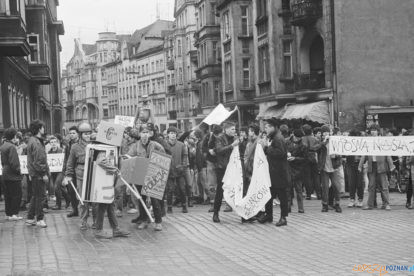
(335, 99)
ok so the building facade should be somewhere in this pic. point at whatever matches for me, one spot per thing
(30, 85)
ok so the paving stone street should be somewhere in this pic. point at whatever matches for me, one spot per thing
(313, 243)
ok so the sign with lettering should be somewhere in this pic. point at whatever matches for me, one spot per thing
(54, 160)
(126, 121)
(372, 146)
(110, 134)
(157, 175)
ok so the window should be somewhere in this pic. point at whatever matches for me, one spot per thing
(179, 48)
(189, 73)
(245, 47)
(246, 72)
(244, 20)
(261, 8)
(226, 28)
(227, 47)
(213, 17)
(287, 59)
(33, 40)
(217, 96)
(180, 75)
(263, 57)
(215, 53)
(152, 67)
(228, 75)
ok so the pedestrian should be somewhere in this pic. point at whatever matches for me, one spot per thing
(200, 167)
(75, 168)
(225, 142)
(143, 148)
(355, 181)
(207, 146)
(73, 139)
(276, 152)
(11, 175)
(38, 172)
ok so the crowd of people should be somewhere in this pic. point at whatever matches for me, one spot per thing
(300, 166)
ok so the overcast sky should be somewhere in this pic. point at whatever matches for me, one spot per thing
(84, 19)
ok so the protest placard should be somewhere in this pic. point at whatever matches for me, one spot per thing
(133, 170)
(54, 160)
(372, 146)
(218, 115)
(126, 121)
(110, 134)
(157, 175)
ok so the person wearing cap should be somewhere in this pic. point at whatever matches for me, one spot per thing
(225, 142)
(143, 148)
(329, 166)
(297, 157)
(276, 152)
(176, 177)
(75, 168)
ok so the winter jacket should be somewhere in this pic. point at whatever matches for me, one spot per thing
(278, 164)
(140, 150)
(209, 142)
(76, 161)
(323, 151)
(200, 159)
(10, 162)
(384, 163)
(36, 157)
(67, 152)
(223, 150)
(179, 158)
(313, 145)
(300, 152)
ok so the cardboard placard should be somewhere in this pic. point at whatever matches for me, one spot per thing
(126, 121)
(133, 170)
(110, 134)
(157, 175)
(54, 160)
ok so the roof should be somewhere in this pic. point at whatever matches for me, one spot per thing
(89, 49)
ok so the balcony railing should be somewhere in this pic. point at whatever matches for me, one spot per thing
(306, 12)
(172, 115)
(40, 73)
(314, 80)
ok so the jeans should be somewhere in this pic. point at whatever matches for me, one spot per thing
(72, 196)
(381, 180)
(188, 182)
(298, 186)
(60, 191)
(311, 179)
(12, 196)
(410, 186)
(38, 199)
(282, 194)
(84, 209)
(335, 178)
(156, 207)
(109, 208)
(211, 180)
(202, 180)
(219, 191)
(355, 182)
(120, 191)
(172, 183)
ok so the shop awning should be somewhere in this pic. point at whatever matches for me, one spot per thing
(317, 112)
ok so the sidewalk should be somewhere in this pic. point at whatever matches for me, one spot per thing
(313, 243)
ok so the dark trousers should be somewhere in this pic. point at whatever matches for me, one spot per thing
(282, 194)
(219, 191)
(101, 209)
(156, 207)
(356, 185)
(311, 179)
(38, 199)
(60, 190)
(72, 196)
(178, 183)
(12, 196)
(410, 188)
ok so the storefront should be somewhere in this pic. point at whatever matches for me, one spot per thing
(393, 117)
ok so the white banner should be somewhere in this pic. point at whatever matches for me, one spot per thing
(54, 160)
(372, 146)
(126, 121)
(218, 115)
(258, 193)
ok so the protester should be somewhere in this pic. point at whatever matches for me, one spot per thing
(311, 174)
(38, 172)
(56, 178)
(73, 139)
(355, 181)
(12, 176)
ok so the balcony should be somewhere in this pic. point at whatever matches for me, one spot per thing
(194, 85)
(13, 40)
(193, 56)
(306, 12)
(170, 64)
(40, 73)
(210, 70)
(172, 115)
(309, 81)
(171, 89)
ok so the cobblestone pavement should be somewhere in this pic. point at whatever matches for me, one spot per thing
(313, 243)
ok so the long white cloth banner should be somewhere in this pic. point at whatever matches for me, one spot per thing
(372, 146)
(54, 160)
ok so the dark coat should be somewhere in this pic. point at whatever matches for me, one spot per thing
(278, 164)
(10, 162)
(36, 157)
(223, 150)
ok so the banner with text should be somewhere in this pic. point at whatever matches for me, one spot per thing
(157, 175)
(126, 121)
(372, 146)
(54, 160)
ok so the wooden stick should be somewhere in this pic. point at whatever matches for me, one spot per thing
(76, 191)
(138, 196)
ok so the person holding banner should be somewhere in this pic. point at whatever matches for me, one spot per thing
(75, 169)
(73, 139)
(12, 176)
(57, 177)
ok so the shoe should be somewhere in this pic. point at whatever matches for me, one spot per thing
(228, 209)
(142, 225)
(93, 226)
(84, 226)
(383, 207)
(410, 206)
(72, 214)
(265, 218)
(100, 234)
(308, 197)
(281, 222)
(158, 227)
(118, 213)
(119, 233)
(132, 211)
(176, 202)
(359, 204)
(15, 218)
(190, 203)
(351, 203)
(216, 218)
(30, 222)
(185, 209)
(331, 207)
(41, 223)
(367, 208)
(169, 210)
(319, 197)
(206, 202)
(325, 208)
(301, 211)
(56, 208)
(388, 208)
(338, 208)
(211, 210)
(45, 210)
(250, 220)
(53, 198)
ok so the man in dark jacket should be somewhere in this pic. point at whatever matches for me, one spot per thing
(225, 143)
(12, 177)
(57, 177)
(276, 152)
(38, 172)
(311, 173)
(73, 139)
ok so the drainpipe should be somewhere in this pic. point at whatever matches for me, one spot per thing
(335, 104)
